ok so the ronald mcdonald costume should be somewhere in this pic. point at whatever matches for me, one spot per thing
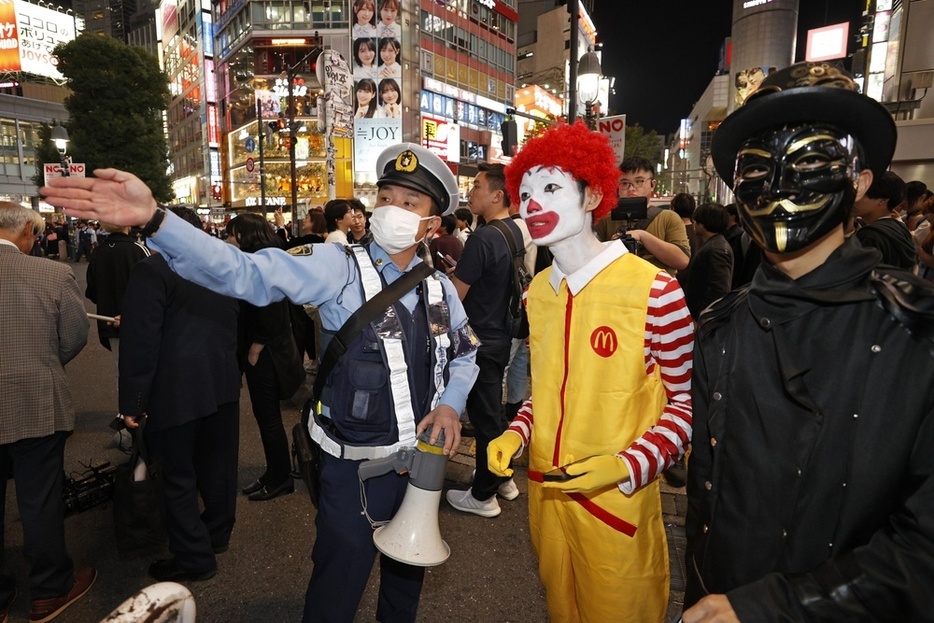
(610, 349)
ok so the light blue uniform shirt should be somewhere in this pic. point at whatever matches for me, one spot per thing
(327, 278)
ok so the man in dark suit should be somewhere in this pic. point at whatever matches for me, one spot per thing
(179, 368)
(44, 327)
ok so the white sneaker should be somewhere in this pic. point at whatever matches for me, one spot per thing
(508, 490)
(464, 501)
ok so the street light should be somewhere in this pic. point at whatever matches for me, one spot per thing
(588, 83)
(60, 137)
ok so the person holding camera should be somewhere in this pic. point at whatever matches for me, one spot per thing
(661, 233)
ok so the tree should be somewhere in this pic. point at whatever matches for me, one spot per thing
(642, 143)
(118, 97)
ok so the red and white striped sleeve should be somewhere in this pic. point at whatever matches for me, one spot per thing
(669, 344)
(522, 424)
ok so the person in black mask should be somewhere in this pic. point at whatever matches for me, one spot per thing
(811, 477)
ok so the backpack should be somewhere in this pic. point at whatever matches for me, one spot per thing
(518, 320)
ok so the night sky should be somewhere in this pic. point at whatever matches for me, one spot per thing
(664, 53)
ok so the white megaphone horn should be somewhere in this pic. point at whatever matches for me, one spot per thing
(413, 536)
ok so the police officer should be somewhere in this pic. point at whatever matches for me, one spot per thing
(389, 386)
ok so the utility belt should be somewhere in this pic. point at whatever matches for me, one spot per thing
(323, 432)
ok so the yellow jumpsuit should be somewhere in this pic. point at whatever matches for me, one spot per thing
(603, 555)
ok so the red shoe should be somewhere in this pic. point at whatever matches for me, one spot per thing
(47, 609)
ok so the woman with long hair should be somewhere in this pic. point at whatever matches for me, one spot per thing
(271, 363)
(391, 96)
(365, 104)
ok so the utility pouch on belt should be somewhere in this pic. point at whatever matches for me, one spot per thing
(307, 456)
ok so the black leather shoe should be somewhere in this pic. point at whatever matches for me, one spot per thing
(169, 571)
(253, 487)
(268, 492)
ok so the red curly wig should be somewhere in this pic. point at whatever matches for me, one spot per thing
(584, 154)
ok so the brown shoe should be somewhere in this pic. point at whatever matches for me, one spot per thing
(47, 609)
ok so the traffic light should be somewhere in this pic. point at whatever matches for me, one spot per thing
(510, 137)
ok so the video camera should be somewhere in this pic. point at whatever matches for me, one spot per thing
(89, 489)
(631, 210)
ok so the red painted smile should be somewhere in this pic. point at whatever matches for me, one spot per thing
(542, 224)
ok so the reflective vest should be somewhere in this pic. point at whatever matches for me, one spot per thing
(390, 377)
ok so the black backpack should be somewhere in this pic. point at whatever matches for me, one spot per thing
(518, 320)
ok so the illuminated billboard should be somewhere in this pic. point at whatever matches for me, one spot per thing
(28, 34)
(827, 43)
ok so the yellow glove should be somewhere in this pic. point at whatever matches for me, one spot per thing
(500, 451)
(596, 472)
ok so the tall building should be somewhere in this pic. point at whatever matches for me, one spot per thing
(544, 52)
(896, 60)
(465, 80)
(107, 17)
(763, 38)
(31, 91)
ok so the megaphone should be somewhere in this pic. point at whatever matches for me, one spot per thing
(413, 535)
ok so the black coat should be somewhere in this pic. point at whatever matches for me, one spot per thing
(108, 273)
(811, 483)
(178, 348)
(710, 274)
(271, 326)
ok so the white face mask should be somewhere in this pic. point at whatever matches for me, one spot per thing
(394, 229)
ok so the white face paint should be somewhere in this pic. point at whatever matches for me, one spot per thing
(550, 203)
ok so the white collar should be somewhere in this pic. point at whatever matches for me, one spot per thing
(612, 251)
(5, 241)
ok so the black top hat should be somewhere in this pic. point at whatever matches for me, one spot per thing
(802, 93)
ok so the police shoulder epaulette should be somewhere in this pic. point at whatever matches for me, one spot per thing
(305, 249)
(719, 312)
(908, 298)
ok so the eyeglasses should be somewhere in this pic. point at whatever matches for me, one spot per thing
(639, 182)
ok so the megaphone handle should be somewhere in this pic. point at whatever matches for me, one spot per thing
(399, 461)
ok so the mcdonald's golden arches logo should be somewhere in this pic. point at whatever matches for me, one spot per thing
(603, 341)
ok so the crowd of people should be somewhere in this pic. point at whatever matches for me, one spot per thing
(770, 336)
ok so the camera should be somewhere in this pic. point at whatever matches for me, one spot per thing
(89, 489)
(631, 210)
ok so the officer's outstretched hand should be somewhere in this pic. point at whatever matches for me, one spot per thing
(443, 418)
(500, 452)
(589, 474)
(112, 196)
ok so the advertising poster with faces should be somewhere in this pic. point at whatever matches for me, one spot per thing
(377, 72)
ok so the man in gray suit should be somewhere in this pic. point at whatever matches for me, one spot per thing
(45, 327)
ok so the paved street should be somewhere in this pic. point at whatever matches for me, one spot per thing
(490, 576)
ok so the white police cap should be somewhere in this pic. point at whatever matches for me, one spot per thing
(412, 166)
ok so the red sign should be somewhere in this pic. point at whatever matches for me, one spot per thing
(250, 165)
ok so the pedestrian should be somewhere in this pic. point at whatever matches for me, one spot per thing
(811, 478)
(711, 269)
(483, 278)
(610, 343)
(45, 327)
(179, 372)
(271, 363)
(363, 413)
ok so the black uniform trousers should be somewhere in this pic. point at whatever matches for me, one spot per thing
(199, 457)
(485, 410)
(344, 552)
(38, 471)
(264, 397)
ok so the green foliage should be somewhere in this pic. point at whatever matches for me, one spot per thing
(118, 97)
(642, 143)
